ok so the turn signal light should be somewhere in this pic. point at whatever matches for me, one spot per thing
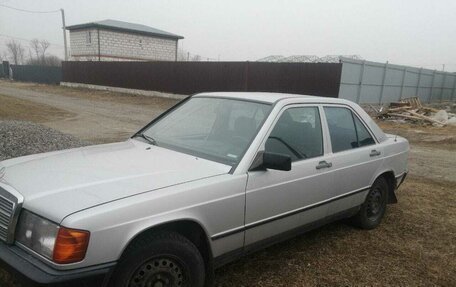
(70, 245)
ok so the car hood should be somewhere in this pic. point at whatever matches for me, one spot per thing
(57, 184)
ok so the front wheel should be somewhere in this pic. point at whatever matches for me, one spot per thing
(374, 207)
(162, 260)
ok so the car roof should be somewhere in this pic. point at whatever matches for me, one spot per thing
(270, 97)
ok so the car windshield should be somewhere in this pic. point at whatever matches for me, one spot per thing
(217, 129)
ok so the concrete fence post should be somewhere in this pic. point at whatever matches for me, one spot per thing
(361, 80)
(382, 89)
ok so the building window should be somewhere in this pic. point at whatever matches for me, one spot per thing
(88, 37)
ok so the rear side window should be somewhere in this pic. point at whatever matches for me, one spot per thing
(346, 130)
(364, 137)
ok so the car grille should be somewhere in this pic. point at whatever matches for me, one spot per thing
(10, 206)
(6, 216)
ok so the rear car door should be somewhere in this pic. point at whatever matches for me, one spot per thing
(280, 201)
(356, 157)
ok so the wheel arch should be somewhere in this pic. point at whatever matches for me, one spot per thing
(390, 178)
(189, 228)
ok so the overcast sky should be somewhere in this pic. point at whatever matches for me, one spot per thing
(413, 32)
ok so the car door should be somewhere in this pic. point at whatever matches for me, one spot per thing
(355, 156)
(280, 201)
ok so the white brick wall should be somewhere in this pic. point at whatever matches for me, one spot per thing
(80, 49)
(120, 46)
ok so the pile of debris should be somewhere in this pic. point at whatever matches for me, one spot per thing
(412, 110)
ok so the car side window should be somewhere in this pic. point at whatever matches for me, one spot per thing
(346, 130)
(297, 133)
(364, 137)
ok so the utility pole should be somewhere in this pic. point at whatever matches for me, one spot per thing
(443, 67)
(64, 34)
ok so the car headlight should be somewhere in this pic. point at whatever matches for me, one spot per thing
(57, 243)
(37, 233)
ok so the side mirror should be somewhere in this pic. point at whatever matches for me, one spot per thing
(276, 161)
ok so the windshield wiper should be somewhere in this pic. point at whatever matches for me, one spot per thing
(150, 139)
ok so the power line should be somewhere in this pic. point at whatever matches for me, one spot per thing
(29, 11)
(27, 40)
(46, 12)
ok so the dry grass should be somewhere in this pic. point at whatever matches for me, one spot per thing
(17, 109)
(95, 95)
(414, 246)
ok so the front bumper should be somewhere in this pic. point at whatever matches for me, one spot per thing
(32, 270)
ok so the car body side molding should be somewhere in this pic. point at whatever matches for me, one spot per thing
(284, 215)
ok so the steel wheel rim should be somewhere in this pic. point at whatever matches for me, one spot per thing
(163, 271)
(375, 204)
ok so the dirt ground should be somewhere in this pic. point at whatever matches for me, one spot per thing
(433, 149)
(414, 246)
(94, 116)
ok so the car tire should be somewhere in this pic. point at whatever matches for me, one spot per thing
(374, 207)
(164, 259)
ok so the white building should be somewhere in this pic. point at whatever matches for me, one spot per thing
(111, 40)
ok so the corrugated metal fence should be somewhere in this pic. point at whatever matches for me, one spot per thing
(371, 82)
(37, 74)
(4, 68)
(194, 77)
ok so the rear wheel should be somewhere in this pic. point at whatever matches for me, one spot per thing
(374, 207)
(163, 260)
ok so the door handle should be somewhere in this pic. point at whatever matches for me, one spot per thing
(324, 164)
(374, 153)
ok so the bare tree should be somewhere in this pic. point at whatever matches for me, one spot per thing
(4, 56)
(44, 46)
(39, 48)
(16, 51)
(52, 60)
(36, 47)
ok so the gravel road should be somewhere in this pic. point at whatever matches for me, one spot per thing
(18, 138)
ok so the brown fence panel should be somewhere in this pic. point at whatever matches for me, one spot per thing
(320, 79)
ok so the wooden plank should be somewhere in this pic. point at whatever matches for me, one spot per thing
(430, 109)
(426, 118)
(400, 109)
(399, 104)
(405, 116)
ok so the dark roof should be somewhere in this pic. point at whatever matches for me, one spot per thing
(125, 27)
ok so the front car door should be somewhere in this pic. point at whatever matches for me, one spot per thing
(281, 201)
